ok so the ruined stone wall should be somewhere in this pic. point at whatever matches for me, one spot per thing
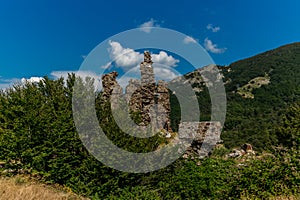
(198, 133)
(147, 88)
(153, 102)
(145, 96)
(133, 96)
(150, 99)
(111, 88)
(163, 99)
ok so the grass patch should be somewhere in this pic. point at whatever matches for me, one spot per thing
(22, 187)
(246, 90)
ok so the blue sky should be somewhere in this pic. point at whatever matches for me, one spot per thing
(39, 38)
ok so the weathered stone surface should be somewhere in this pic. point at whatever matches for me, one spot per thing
(196, 134)
(146, 97)
(147, 57)
(245, 150)
(162, 98)
(147, 74)
(111, 89)
(152, 101)
(133, 96)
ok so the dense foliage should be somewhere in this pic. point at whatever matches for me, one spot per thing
(38, 136)
(252, 120)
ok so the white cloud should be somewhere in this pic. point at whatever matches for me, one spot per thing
(7, 83)
(146, 26)
(189, 39)
(32, 80)
(83, 74)
(210, 46)
(213, 28)
(164, 59)
(162, 73)
(127, 58)
(124, 57)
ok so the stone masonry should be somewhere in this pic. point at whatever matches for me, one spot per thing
(111, 88)
(195, 134)
(152, 101)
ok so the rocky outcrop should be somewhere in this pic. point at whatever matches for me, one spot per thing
(246, 149)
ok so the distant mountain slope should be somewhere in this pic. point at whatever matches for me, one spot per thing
(253, 119)
(282, 64)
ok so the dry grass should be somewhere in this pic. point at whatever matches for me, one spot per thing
(20, 188)
(291, 197)
(246, 90)
(285, 198)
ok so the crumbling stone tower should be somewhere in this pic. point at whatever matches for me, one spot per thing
(147, 89)
(143, 96)
(150, 99)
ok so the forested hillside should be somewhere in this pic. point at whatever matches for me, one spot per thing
(272, 80)
(251, 120)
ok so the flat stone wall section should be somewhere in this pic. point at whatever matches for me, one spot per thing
(200, 136)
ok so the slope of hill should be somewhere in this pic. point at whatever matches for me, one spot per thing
(270, 80)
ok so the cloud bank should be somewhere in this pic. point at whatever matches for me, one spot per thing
(127, 58)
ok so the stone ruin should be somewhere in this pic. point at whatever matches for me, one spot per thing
(205, 135)
(111, 88)
(152, 101)
(143, 96)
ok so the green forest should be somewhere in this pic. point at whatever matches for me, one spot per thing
(38, 137)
